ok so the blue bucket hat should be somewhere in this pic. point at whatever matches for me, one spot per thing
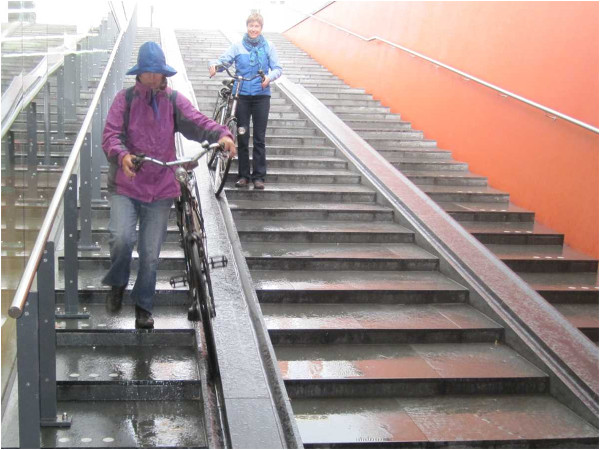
(151, 58)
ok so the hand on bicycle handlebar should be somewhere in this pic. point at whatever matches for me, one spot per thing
(212, 70)
(265, 81)
(129, 165)
(229, 146)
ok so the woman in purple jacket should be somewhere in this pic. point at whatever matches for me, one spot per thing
(144, 119)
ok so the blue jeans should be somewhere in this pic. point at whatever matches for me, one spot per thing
(258, 107)
(153, 218)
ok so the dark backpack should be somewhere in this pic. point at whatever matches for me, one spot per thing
(129, 99)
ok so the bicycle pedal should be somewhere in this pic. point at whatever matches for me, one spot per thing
(218, 262)
(178, 281)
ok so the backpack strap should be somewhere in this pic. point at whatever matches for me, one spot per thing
(129, 98)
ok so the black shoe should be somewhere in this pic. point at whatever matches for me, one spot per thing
(241, 183)
(114, 299)
(143, 318)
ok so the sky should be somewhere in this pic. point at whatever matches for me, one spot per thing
(228, 15)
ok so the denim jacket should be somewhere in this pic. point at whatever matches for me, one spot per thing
(152, 133)
(269, 64)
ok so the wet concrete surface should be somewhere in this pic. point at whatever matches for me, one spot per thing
(119, 424)
(471, 360)
(450, 419)
(373, 316)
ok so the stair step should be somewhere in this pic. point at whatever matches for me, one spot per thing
(475, 211)
(127, 373)
(278, 210)
(543, 258)
(271, 255)
(513, 233)
(322, 232)
(583, 316)
(340, 370)
(445, 178)
(461, 193)
(573, 287)
(91, 289)
(315, 323)
(300, 192)
(171, 325)
(306, 177)
(171, 257)
(303, 286)
(128, 424)
(448, 421)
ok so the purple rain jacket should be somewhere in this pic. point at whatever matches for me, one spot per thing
(152, 133)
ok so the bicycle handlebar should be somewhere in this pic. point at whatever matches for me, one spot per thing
(138, 160)
(260, 74)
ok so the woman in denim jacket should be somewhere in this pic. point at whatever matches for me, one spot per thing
(252, 54)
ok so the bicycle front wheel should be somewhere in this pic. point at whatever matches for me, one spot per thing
(203, 296)
(218, 116)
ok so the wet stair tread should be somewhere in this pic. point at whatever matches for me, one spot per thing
(238, 204)
(437, 420)
(304, 280)
(561, 281)
(440, 189)
(118, 363)
(403, 361)
(166, 318)
(582, 315)
(295, 187)
(90, 279)
(538, 252)
(475, 207)
(477, 227)
(283, 226)
(285, 316)
(131, 424)
(335, 251)
(168, 251)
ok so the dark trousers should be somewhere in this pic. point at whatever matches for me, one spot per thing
(257, 107)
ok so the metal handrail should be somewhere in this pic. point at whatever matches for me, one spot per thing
(18, 303)
(30, 92)
(459, 72)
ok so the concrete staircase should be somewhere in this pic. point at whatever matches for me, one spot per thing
(566, 278)
(376, 346)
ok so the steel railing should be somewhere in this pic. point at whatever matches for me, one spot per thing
(553, 113)
(33, 262)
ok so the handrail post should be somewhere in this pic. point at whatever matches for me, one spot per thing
(60, 103)
(85, 195)
(98, 158)
(47, 341)
(28, 369)
(8, 191)
(71, 262)
(84, 65)
(32, 148)
(47, 129)
(70, 73)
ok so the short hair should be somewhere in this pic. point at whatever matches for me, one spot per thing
(255, 17)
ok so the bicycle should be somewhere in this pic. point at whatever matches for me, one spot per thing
(194, 242)
(224, 114)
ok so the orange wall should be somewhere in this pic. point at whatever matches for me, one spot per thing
(544, 51)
